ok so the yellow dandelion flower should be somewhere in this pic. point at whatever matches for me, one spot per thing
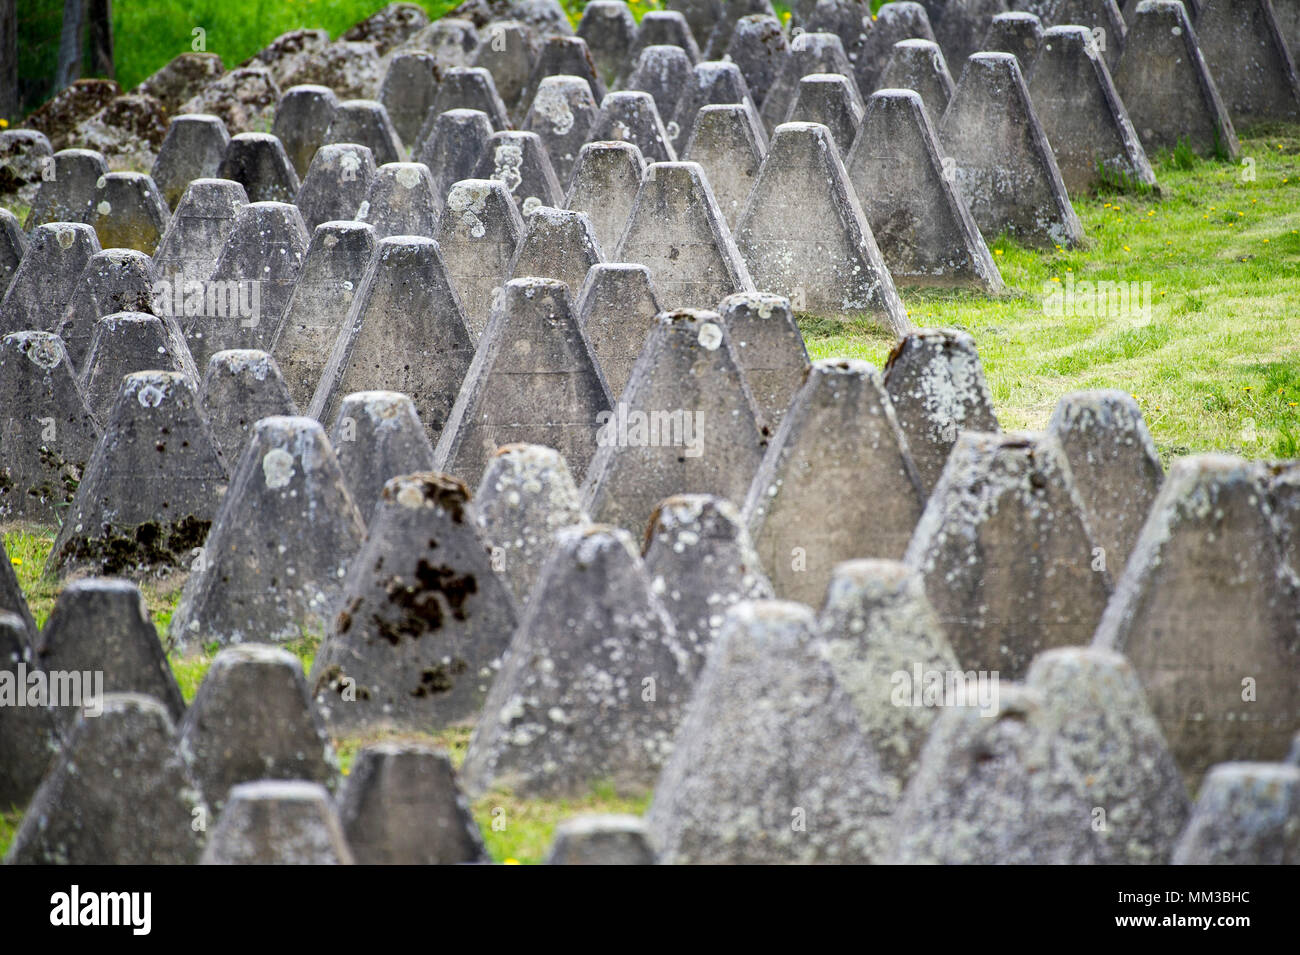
(510, 862)
(997, 251)
(16, 561)
(1127, 249)
(1055, 279)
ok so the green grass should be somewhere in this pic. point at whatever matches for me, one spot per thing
(1216, 365)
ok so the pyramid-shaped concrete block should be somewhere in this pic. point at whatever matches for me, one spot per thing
(1003, 163)
(101, 625)
(1204, 610)
(601, 840)
(562, 114)
(1249, 58)
(1007, 554)
(11, 596)
(129, 212)
(665, 28)
(882, 637)
(130, 341)
(617, 308)
(402, 201)
(1089, 128)
(1167, 87)
(271, 822)
(809, 53)
(918, 218)
(13, 245)
(405, 332)
(919, 65)
(121, 792)
(69, 195)
(366, 122)
(336, 183)
(850, 20)
(252, 719)
(526, 496)
(509, 52)
(609, 30)
(605, 181)
(937, 386)
(194, 148)
(47, 277)
(594, 684)
(151, 488)
(451, 152)
(701, 562)
(239, 388)
(332, 272)
(1246, 814)
(828, 99)
(519, 161)
(663, 72)
(755, 777)
(840, 423)
(258, 162)
(463, 88)
(114, 280)
(630, 116)
(770, 350)
(1016, 32)
(1101, 18)
(729, 144)
(723, 21)
(425, 619)
(557, 244)
(478, 234)
(189, 249)
(678, 232)
(407, 91)
(250, 288)
(286, 486)
(1115, 465)
(28, 739)
(990, 787)
(561, 56)
(710, 84)
(1283, 480)
(824, 258)
(533, 380)
(378, 436)
(47, 430)
(759, 47)
(1106, 731)
(401, 805)
(686, 423)
(302, 120)
(958, 27)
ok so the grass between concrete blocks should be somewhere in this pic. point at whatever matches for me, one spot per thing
(1215, 367)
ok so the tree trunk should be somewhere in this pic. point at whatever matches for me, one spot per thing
(9, 60)
(70, 43)
(101, 38)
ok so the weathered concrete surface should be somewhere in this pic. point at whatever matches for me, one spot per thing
(594, 684)
(533, 380)
(677, 230)
(240, 388)
(1004, 165)
(919, 65)
(336, 184)
(1246, 814)
(562, 114)
(405, 332)
(190, 248)
(478, 233)
(1205, 612)
(1007, 554)
(402, 200)
(1248, 57)
(121, 792)
(258, 162)
(273, 564)
(937, 386)
(28, 741)
(69, 196)
(194, 148)
(828, 99)
(1091, 135)
(520, 162)
(825, 260)
(302, 120)
(1116, 469)
(770, 764)
(47, 276)
(617, 308)
(729, 144)
(124, 342)
(918, 217)
(601, 840)
(1167, 87)
(557, 244)
(606, 178)
(770, 350)
(839, 433)
(378, 436)
(425, 619)
(129, 212)
(271, 822)
(686, 422)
